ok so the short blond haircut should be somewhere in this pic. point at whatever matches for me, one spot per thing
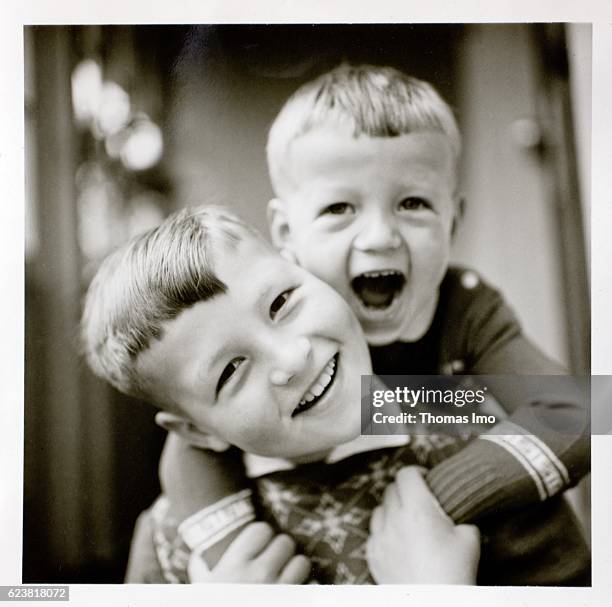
(149, 281)
(368, 100)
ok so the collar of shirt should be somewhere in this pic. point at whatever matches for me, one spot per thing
(257, 465)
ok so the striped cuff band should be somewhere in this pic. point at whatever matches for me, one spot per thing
(210, 525)
(545, 469)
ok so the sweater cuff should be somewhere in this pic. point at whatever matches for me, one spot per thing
(484, 478)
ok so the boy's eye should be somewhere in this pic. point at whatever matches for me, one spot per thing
(228, 372)
(338, 208)
(279, 302)
(414, 203)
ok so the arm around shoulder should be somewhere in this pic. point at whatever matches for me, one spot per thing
(543, 446)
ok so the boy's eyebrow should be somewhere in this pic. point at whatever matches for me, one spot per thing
(270, 281)
(204, 373)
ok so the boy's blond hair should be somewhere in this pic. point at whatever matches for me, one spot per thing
(369, 100)
(149, 281)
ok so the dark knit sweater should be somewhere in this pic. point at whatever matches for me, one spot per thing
(474, 332)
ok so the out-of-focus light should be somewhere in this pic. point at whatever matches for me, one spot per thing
(99, 211)
(114, 110)
(144, 146)
(526, 133)
(86, 90)
(114, 143)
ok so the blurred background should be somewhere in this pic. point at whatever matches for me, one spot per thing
(125, 124)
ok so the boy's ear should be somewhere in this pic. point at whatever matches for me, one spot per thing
(184, 428)
(459, 212)
(278, 224)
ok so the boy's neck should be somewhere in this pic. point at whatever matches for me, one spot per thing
(416, 327)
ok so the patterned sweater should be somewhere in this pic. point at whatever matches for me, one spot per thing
(326, 508)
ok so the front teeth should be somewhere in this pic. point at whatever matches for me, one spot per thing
(316, 389)
(377, 274)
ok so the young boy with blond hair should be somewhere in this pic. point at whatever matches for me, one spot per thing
(363, 161)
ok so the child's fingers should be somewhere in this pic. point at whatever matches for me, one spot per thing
(414, 492)
(470, 533)
(276, 554)
(377, 520)
(407, 479)
(397, 494)
(197, 570)
(296, 571)
(249, 543)
(391, 499)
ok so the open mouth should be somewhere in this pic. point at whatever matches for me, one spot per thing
(319, 387)
(377, 290)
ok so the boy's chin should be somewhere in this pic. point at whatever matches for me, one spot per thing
(382, 326)
(321, 454)
(382, 335)
(404, 326)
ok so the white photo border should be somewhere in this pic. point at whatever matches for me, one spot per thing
(16, 15)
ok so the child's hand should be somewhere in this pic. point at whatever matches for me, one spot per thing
(256, 556)
(413, 541)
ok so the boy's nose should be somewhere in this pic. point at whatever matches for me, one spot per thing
(291, 358)
(378, 234)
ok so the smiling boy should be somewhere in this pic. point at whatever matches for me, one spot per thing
(372, 216)
(244, 356)
(269, 362)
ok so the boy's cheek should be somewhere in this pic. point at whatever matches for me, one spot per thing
(249, 434)
(328, 251)
(432, 253)
(325, 266)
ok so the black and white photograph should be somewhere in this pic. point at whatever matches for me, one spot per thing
(240, 239)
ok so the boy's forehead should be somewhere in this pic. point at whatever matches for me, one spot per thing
(250, 271)
(231, 256)
(331, 153)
